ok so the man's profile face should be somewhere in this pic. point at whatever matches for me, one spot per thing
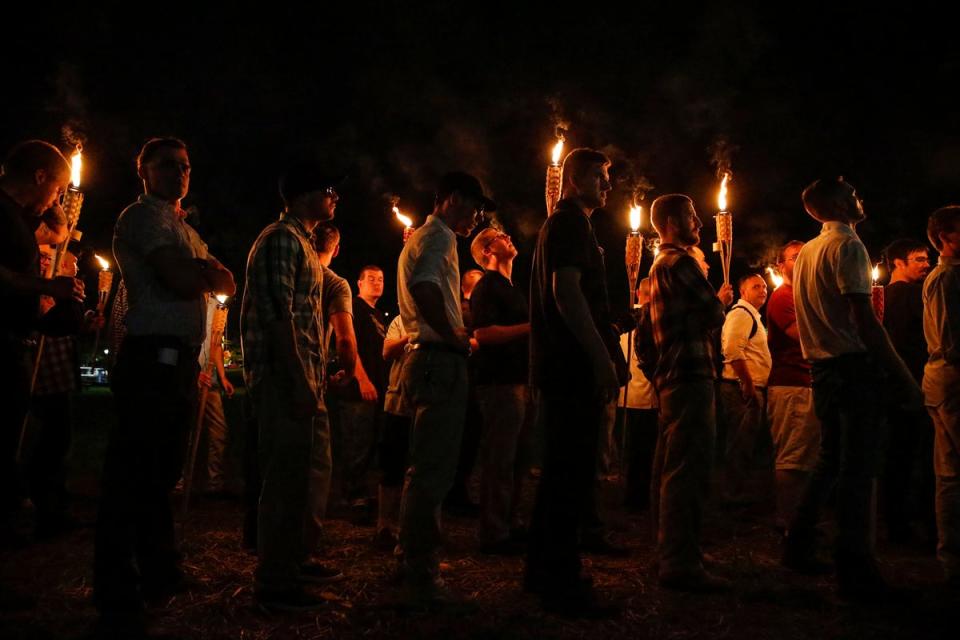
(594, 185)
(853, 205)
(464, 213)
(754, 291)
(167, 174)
(502, 247)
(370, 284)
(916, 266)
(50, 187)
(688, 227)
(321, 205)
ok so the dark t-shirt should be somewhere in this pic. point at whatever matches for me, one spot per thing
(789, 369)
(903, 319)
(18, 253)
(495, 301)
(370, 326)
(557, 361)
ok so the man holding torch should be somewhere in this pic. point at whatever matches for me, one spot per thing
(168, 273)
(685, 313)
(850, 354)
(35, 174)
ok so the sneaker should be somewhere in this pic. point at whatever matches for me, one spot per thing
(696, 582)
(293, 600)
(314, 572)
(435, 596)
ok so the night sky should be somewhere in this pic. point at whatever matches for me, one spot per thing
(395, 95)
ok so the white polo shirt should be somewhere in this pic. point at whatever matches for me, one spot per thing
(737, 344)
(833, 265)
(430, 255)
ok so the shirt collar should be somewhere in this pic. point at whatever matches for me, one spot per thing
(749, 307)
(949, 262)
(434, 219)
(838, 227)
(163, 205)
(297, 224)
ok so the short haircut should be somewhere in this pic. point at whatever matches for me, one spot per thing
(672, 205)
(943, 220)
(481, 242)
(901, 249)
(369, 267)
(821, 197)
(30, 156)
(747, 276)
(327, 237)
(154, 145)
(581, 159)
(782, 254)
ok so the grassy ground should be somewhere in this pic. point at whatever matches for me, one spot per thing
(767, 602)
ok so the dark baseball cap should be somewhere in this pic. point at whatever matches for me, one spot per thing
(466, 185)
(306, 177)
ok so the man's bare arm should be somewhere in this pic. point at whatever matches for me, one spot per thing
(575, 312)
(429, 301)
(500, 334)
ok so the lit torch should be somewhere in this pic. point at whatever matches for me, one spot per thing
(775, 277)
(877, 293)
(634, 251)
(104, 284)
(218, 325)
(72, 201)
(554, 176)
(407, 223)
(724, 244)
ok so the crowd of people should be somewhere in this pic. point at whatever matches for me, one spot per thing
(826, 394)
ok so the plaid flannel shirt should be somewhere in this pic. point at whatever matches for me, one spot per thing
(284, 283)
(59, 366)
(684, 310)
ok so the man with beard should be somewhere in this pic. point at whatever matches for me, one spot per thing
(685, 312)
(282, 332)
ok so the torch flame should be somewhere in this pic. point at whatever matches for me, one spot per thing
(407, 222)
(722, 198)
(557, 152)
(76, 165)
(222, 298)
(775, 277)
(103, 263)
(876, 273)
(635, 214)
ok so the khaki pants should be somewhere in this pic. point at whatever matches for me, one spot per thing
(946, 465)
(435, 384)
(682, 466)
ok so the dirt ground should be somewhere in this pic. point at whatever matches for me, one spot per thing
(767, 602)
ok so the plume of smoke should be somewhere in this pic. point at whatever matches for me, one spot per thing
(73, 134)
(721, 156)
(561, 124)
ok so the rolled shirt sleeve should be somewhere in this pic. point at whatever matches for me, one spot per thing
(735, 335)
(853, 269)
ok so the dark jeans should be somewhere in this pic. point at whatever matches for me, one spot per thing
(394, 449)
(845, 396)
(155, 407)
(641, 441)
(47, 473)
(908, 487)
(571, 422)
(15, 377)
(469, 447)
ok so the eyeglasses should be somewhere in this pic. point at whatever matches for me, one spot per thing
(920, 260)
(330, 191)
(168, 165)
